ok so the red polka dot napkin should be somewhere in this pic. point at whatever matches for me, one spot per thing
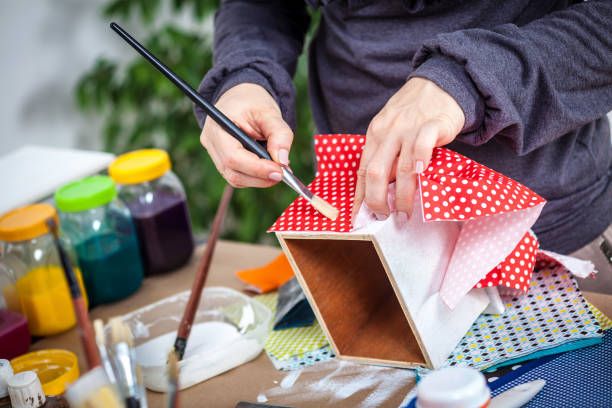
(494, 247)
(337, 159)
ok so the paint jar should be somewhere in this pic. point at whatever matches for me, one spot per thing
(156, 199)
(34, 280)
(453, 387)
(99, 226)
(14, 334)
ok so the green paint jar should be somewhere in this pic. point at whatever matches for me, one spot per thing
(99, 227)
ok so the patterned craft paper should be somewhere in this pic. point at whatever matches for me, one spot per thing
(581, 378)
(553, 313)
(294, 348)
(495, 211)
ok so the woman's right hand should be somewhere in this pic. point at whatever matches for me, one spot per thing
(254, 110)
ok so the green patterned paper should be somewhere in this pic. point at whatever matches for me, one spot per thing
(291, 343)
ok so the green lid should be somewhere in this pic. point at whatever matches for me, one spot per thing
(85, 194)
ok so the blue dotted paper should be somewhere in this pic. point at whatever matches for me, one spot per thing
(580, 378)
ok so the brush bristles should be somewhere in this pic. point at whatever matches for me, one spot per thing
(99, 330)
(120, 332)
(173, 371)
(324, 208)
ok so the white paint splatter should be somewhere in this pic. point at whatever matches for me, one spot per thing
(337, 380)
(261, 398)
(290, 379)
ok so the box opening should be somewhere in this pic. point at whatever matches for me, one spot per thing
(354, 296)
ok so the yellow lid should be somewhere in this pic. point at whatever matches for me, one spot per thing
(26, 222)
(139, 166)
(55, 368)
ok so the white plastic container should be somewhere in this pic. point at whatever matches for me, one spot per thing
(229, 330)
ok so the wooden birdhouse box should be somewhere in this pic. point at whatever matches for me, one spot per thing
(404, 291)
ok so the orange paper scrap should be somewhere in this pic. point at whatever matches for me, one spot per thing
(268, 277)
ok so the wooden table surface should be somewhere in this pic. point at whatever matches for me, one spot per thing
(332, 383)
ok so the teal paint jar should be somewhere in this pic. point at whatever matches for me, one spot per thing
(99, 227)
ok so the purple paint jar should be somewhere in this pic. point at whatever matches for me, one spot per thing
(157, 202)
(14, 334)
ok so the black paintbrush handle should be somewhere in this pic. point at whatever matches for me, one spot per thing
(222, 120)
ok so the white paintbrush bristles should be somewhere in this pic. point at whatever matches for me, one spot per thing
(324, 207)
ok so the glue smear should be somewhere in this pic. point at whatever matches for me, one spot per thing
(336, 380)
(213, 348)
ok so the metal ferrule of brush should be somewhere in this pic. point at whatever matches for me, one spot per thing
(292, 181)
(126, 370)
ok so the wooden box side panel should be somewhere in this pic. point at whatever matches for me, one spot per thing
(349, 289)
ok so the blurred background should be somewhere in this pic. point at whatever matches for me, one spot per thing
(69, 81)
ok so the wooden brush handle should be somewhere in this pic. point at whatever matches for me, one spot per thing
(200, 278)
(86, 331)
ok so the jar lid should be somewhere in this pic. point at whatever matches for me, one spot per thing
(453, 387)
(26, 222)
(139, 166)
(56, 368)
(85, 194)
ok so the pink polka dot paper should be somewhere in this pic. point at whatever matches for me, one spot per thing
(338, 159)
(456, 188)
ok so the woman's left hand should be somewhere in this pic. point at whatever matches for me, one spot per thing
(400, 141)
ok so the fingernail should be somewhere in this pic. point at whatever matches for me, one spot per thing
(380, 216)
(283, 156)
(275, 176)
(418, 166)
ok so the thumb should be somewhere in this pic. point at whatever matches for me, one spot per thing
(278, 135)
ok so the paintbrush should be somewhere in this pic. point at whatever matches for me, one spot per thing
(230, 127)
(184, 329)
(101, 343)
(78, 302)
(124, 362)
(173, 378)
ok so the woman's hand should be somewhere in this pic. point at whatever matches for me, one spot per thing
(400, 141)
(254, 110)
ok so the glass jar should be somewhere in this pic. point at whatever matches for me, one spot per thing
(158, 204)
(99, 227)
(34, 283)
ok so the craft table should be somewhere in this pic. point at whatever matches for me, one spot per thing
(257, 377)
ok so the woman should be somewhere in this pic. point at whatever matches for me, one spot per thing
(520, 86)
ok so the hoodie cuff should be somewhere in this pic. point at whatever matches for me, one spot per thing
(449, 75)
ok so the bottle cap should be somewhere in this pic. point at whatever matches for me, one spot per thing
(25, 390)
(6, 372)
(85, 194)
(453, 387)
(139, 166)
(26, 222)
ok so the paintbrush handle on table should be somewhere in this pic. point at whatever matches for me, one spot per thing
(184, 328)
(230, 127)
(86, 330)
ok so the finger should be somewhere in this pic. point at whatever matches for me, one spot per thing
(278, 134)
(377, 176)
(426, 140)
(368, 151)
(408, 165)
(232, 155)
(240, 180)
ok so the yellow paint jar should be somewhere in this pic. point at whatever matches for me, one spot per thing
(34, 281)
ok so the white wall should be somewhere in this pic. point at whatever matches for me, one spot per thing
(45, 46)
